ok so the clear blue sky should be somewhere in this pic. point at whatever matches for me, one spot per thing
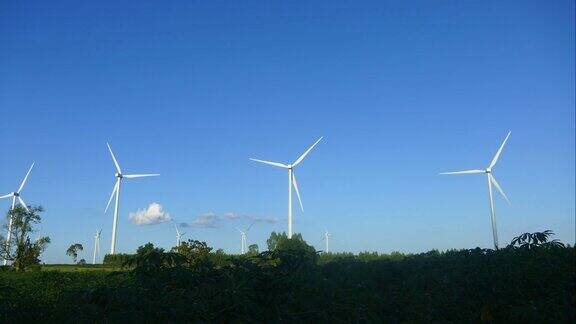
(401, 90)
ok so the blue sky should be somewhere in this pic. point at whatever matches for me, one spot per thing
(399, 90)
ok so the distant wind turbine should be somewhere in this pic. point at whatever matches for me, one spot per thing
(244, 238)
(96, 246)
(116, 192)
(491, 181)
(291, 181)
(327, 237)
(178, 235)
(15, 195)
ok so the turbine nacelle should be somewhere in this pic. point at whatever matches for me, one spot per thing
(488, 170)
(118, 175)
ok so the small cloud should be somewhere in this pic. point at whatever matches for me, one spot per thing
(207, 220)
(268, 220)
(232, 216)
(212, 220)
(150, 216)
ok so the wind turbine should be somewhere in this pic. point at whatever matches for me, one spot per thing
(491, 181)
(243, 239)
(96, 246)
(116, 192)
(327, 237)
(291, 181)
(15, 195)
(178, 235)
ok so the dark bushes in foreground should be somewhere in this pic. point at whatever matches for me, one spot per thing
(292, 285)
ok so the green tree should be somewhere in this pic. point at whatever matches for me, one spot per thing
(277, 239)
(20, 249)
(73, 251)
(530, 241)
(253, 249)
(272, 241)
(197, 253)
(149, 259)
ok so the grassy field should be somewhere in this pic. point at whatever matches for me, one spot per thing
(80, 268)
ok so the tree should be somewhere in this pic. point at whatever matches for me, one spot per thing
(277, 240)
(73, 250)
(530, 241)
(149, 259)
(20, 249)
(253, 249)
(197, 253)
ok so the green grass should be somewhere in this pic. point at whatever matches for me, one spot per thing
(80, 268)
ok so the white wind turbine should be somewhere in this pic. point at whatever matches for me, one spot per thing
(178, 235)
(15, 195)
(291, 181)
(327, 237)
(96, 246)
(116, 191)
(491, 181)
(244, 239)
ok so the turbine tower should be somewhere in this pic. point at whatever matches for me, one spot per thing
(15, 195)
(327, 237)
(96, 246)
(116, 192)
(178, 235)
(291, 181)
(243, 239)
(491, 181)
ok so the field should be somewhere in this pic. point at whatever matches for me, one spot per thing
(298, 285)
(80, 268)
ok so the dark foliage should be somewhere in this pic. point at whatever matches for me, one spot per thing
(292, 283)
(530, 241)
(117, 259)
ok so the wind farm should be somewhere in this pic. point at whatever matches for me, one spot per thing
(388, 118)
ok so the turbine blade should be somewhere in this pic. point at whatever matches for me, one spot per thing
(495, 183)
(306, 153)
(114, 158)
(276, 164)
(465, 172)
(495, 159)
(23, 203)
(249, 227)
(134, 176)
(177, 231)
(295, 184)
(25, 178)
(7, 196)
(112, 195)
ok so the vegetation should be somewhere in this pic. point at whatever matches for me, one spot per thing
(294, 283)
(17, 247)
(73, 251)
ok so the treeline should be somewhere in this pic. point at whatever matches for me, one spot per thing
(526, 282)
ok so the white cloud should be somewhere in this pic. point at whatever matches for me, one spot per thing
(151, 215)
(210, 220)
(232, 216)
(269, 220)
